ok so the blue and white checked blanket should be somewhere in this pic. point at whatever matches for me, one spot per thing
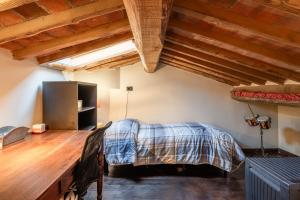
(130, 142)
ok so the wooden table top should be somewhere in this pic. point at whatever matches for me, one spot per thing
(31, 166)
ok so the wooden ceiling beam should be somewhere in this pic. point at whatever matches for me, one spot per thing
(45, 47)
(148, 21)
(196, 66)
(126, 62)
(236, 36)
(223, 62)
(111, 61)
(55, 6)
(232, 55)
(268, 21)
(293, 7)
(117, 64)
(10, 4)
(213, 67)
(199, 72)
(70, 16)
(84, 47)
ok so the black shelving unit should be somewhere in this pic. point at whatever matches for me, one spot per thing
(60, 105)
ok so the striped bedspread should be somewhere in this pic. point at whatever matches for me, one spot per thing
(130, 142)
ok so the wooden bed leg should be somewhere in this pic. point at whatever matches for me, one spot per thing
(225, 174)
(106, 171)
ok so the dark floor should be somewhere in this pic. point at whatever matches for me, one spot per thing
(165, 182)
(171, 182)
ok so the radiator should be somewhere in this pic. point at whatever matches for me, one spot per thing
(272, 178)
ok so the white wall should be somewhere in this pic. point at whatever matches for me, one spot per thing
(105, 80)
(20, 90)
(172, 95)
(169, 95)
(289, 129)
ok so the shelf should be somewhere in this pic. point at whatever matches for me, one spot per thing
(274, 94)
(60, 100)
(83, 109)
(88, 128)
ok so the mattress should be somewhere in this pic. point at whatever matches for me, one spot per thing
(131, 142)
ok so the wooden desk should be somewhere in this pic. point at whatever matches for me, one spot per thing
(40, 167)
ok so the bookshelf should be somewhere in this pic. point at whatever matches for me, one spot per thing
(60, 105)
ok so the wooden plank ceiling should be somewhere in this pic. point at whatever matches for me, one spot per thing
(231, 41)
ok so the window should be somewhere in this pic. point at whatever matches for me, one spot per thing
(76, 62)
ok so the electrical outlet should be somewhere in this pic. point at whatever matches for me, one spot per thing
(129, 88)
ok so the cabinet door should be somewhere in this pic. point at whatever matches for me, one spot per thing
(60, 105)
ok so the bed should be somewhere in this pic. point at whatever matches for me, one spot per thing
(131, 142)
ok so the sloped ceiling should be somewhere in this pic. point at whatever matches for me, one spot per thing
(232, 41)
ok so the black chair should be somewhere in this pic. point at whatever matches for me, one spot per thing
(91, 165)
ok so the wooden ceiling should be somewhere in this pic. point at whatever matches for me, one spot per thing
(231, 41)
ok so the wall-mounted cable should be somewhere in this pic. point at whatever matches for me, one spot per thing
(128, 89)
(126, 107)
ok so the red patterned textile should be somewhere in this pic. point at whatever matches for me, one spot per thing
(275, 97)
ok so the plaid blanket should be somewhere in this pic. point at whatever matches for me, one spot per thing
(130, 142)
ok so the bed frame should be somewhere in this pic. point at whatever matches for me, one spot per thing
(106, 169)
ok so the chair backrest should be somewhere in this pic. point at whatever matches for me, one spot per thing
(92, 142)
(87, 170)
